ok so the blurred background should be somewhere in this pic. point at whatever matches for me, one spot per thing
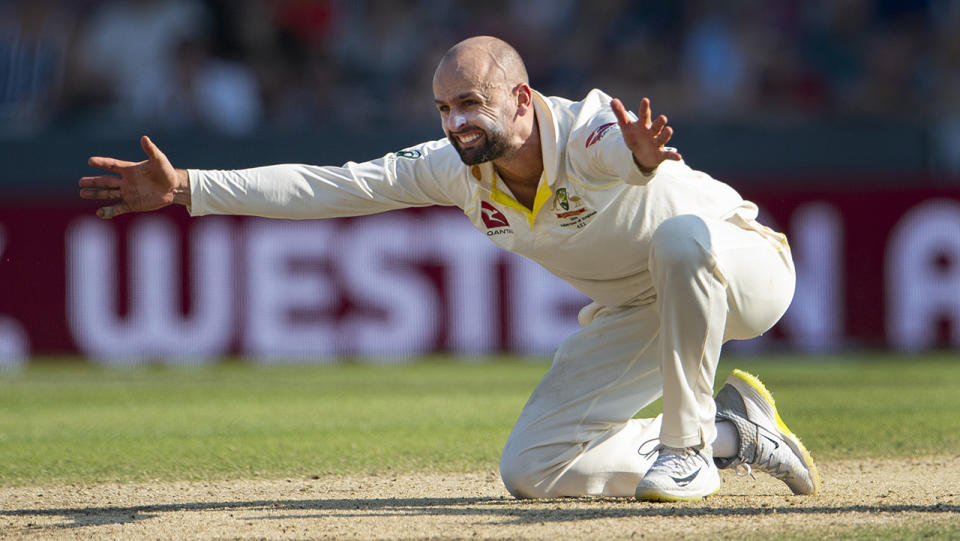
(841, 118)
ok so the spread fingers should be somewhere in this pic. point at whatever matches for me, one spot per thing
(99, 193)
(100, 181)
(115, 210)
(664, 136)
(110, 164)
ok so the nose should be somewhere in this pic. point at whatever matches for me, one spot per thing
(455, 122)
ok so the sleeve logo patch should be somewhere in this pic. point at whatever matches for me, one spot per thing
(409, 154)
(599, 133)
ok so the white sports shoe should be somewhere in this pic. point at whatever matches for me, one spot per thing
(765, 441)
(680, 475)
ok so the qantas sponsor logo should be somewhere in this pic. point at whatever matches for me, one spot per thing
(599, 133)
(492, 218)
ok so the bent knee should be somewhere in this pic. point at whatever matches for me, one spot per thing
(519, 478)
(680, 241)
(537, 471)
(554, 471)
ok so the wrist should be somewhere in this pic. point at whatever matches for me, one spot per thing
(181, 191)
(647, 171)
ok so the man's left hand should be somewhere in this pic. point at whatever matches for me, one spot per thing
(645, 138)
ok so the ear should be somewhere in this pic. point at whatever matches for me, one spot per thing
(524, 97)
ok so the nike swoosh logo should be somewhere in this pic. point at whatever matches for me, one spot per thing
(684, 481)
(776, 444)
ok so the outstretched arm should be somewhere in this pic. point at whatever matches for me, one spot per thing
(290, 191)
(140, 186)
(645, 138)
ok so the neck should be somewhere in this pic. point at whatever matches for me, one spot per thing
(524, 166)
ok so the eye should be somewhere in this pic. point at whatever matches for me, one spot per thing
(444, 109)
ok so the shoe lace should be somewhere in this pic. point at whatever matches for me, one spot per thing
(653, 449)
(675, 460)
(744, 470)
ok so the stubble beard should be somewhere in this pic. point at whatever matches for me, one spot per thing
(494, 146)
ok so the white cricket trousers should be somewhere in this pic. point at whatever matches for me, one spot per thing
(715, 281)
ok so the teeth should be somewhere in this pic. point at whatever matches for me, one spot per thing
(467, 139)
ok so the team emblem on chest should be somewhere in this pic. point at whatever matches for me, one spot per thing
(570, 209)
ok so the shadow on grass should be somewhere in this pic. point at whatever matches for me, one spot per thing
(504, 511)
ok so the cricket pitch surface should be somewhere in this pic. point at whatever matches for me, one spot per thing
(874, 497)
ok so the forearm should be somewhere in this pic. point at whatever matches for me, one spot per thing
(292, 191)
(297, 191)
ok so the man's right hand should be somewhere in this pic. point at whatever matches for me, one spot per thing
(141, 186)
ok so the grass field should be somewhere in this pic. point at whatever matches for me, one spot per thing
(70, 422)
(371, 452)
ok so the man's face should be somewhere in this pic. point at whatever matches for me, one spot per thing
(476, 116)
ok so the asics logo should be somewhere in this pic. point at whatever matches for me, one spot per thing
(684, 481)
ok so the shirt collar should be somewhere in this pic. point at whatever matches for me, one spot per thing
(549, 136)
(549, 142)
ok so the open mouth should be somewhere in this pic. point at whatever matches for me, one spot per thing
(468, 139)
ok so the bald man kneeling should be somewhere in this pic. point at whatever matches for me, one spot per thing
(674, 261)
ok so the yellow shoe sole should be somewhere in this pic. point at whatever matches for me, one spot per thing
(792, 438)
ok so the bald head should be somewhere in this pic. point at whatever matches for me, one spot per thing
(485, 102)
(484, 60)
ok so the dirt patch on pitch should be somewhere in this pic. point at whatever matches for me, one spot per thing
(921, 494)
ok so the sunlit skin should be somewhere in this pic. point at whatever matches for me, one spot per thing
(141, 186)
(486, 108)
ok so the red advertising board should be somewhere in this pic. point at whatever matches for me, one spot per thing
(878, 268)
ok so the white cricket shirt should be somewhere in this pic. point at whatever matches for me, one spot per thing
(592, 219)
